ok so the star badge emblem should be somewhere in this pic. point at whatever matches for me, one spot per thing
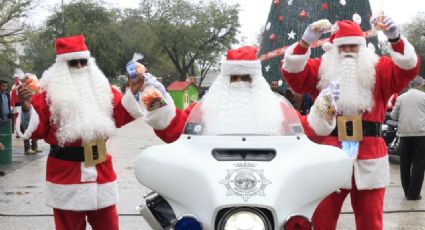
(245, 182)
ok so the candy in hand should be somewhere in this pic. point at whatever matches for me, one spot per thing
(152, 99)
(32, 83)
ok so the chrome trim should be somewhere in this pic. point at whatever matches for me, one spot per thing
(149, 218)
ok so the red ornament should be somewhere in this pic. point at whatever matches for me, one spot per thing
(281, 18)
(303, 14)
(276, 2)
(272, 37)
(325, 6)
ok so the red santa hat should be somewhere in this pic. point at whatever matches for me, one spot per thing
(345, 32)
(69, 48)
(241, 61)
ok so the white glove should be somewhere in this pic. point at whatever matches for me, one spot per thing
(311, 35)
(333, 90)
(393, 30)
(326, 102)
(151, 80)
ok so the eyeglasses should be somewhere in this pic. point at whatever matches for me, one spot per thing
(245, 78)
(74, 62)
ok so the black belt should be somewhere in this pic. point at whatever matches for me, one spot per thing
(67, 153)
(370, 129)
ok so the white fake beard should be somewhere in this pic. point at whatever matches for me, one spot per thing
(80, 103)
(242, 108)
(356, 75)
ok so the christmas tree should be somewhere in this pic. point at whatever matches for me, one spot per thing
(288, 19)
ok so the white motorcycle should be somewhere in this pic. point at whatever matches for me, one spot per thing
(245, 181)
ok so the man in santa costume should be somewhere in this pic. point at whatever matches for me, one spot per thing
(75, 113)
(367, 82)
(239, 101)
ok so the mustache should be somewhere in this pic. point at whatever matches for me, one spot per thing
(343, 55)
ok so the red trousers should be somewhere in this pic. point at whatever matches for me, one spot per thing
(102, 219)
(368, 207)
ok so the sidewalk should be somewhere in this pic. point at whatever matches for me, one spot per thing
(22, 201)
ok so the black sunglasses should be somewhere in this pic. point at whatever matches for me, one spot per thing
(74, 62)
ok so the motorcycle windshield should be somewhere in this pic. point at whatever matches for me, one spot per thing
(275, 117)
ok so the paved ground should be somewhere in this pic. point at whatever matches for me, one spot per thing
(22, 203)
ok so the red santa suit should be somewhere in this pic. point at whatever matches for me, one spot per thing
(75, 107)
(14, 100)
(381, 77)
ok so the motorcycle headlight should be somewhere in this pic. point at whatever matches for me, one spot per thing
(244, 219)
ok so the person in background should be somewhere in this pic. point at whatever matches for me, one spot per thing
(5, 112)
(14, 103)
(409, 110)
(30, 144)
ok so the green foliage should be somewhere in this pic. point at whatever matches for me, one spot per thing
(415, 32)
(191, 31)
(39, 53)
(97, 24)
(182, 38)
(11, 11)
(7, 65)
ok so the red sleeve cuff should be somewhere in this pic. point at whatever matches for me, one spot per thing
(299, 50)
(398, 47)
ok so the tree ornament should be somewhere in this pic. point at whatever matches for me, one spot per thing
(357, 18)
(290, 2)
(303, 14)
(281, 18)
(291, 35)
(267, 68)
(268, 25)
(272, 37)
(276, 2)
(343, 2)
(325, 6)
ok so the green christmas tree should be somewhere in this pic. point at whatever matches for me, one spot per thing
(288, 19)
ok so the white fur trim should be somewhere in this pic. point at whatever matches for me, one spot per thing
(131, 105)
(371, 174)
(350, 41)
(295, 63)
(327, 46)
(32, 126)
(88, 173)
(81, 197)
(240, 67)
(161, 118)
(405, 61)
(319, 124)
(74, 55)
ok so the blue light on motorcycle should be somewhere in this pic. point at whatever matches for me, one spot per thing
(188, 222)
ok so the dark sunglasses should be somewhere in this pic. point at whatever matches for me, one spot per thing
(74, 62)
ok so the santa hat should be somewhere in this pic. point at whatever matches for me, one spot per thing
(69, 48)
(241, 61)
(345, 33)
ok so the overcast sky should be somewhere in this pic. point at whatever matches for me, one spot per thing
(254, 12)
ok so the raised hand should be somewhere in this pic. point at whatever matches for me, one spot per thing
(393, 29)
(315, 30)
(24, 94)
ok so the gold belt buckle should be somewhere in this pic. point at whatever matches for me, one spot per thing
(94, 152)
(356, 121)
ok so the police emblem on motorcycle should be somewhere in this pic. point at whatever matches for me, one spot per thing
(245, 182)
